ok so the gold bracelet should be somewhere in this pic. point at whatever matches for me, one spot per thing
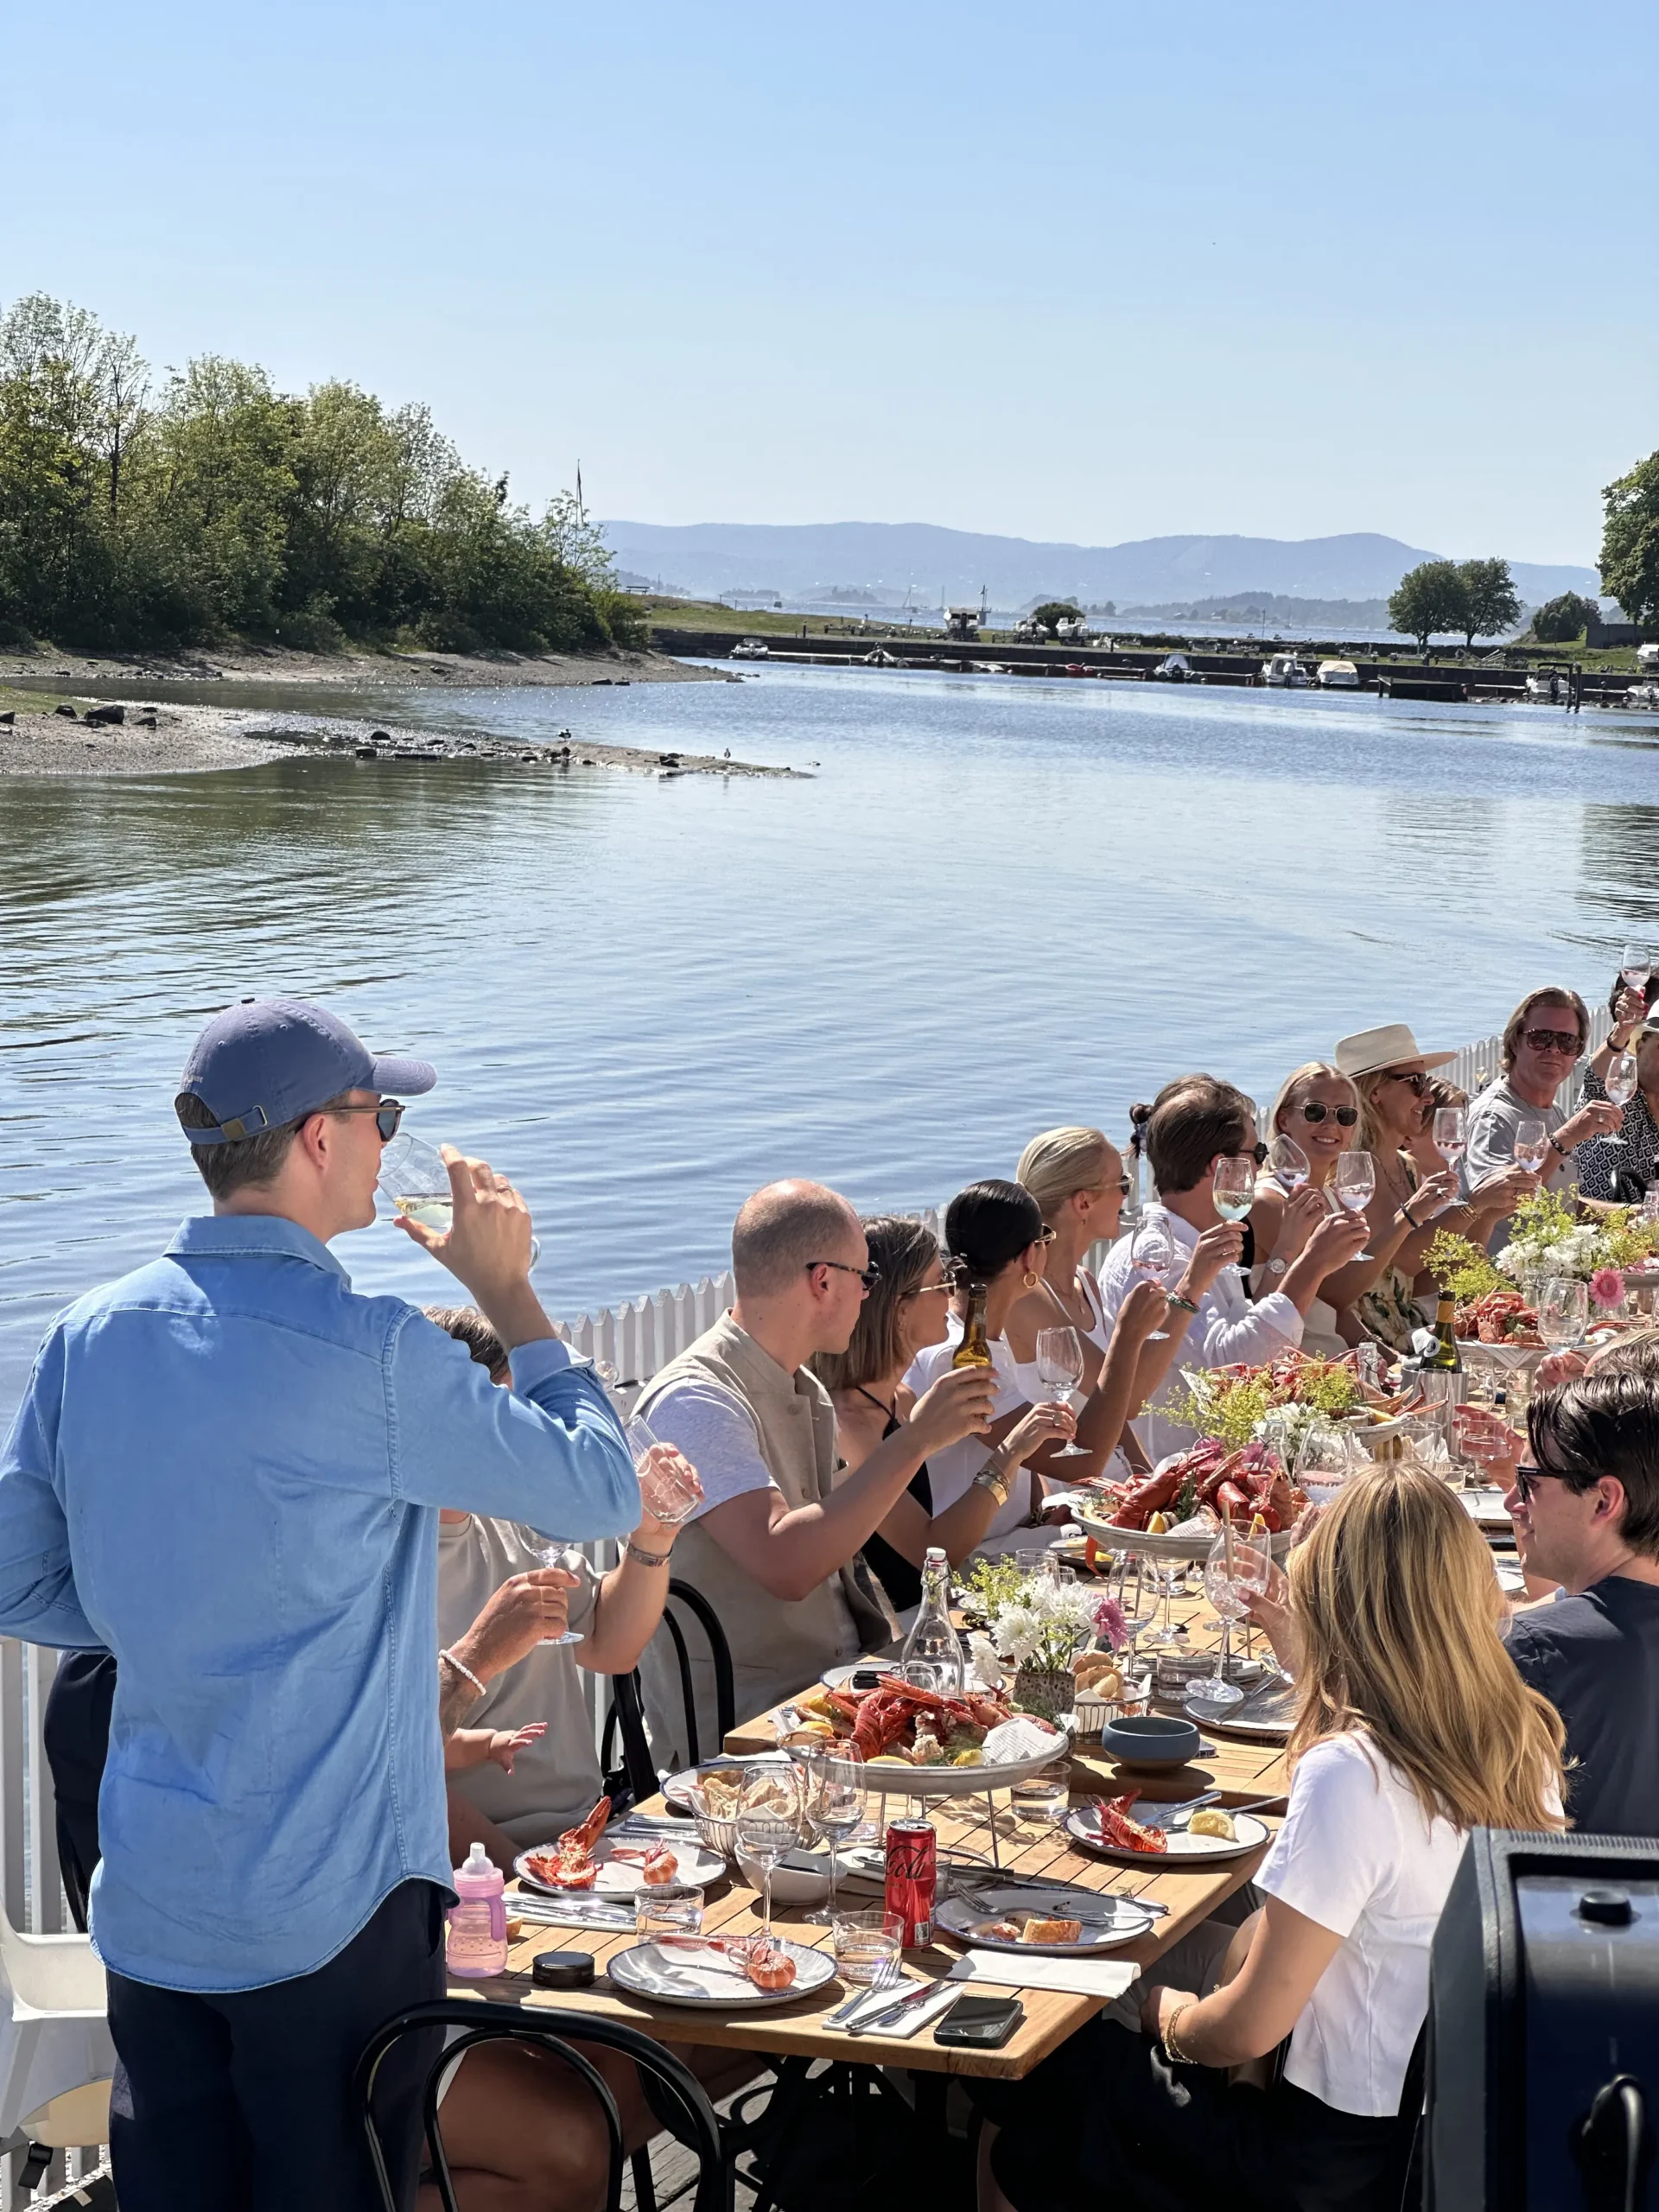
(1172, 2050)
(644, 1558)
(995, 1480)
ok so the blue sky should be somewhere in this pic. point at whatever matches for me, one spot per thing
(1082, 273)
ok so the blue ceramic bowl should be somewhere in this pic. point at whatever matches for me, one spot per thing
(1149, 1741)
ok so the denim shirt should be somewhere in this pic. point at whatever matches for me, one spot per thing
(228, 1469)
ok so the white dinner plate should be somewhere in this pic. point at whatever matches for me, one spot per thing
(1184, 1846)
(687, 1976)
(694, 1865)
(1485, 1506)
(1107, 1920)
(677, 1789)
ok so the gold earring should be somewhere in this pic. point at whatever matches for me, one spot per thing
(1032, 1278)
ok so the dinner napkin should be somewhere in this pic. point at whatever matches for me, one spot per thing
(1021, 1738)
(920, 2015)
(1102, 1978)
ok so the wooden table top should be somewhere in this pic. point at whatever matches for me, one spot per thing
(1240, 1770)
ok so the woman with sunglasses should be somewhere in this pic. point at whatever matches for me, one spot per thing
(1318, 1108)
(907, 1310)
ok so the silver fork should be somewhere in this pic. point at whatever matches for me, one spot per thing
(886, 1977)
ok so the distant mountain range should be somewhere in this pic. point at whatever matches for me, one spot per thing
(705, 559)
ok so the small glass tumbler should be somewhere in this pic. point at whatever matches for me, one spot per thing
(668, 1908)
(864, 1941)
(1041, 1798)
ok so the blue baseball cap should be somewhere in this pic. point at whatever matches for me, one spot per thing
(268, 1062)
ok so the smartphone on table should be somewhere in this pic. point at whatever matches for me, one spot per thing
(981, 2023)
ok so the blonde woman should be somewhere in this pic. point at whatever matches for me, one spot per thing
(1318, 1108)
(1412, 1728)
(1076, 1177)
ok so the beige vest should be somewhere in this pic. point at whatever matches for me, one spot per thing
(778, 1645)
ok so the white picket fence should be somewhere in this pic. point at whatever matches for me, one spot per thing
(636, 1338)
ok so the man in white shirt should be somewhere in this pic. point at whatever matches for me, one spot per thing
(1196, 1124)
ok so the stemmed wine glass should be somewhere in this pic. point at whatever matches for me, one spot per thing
(1059, 1365)
(1621, 1085)
(1636, 966)
(1356, 1181)
(414, 1177)
(768, 1824)
(1531, 1141)
(1152, 1254)
(1450, 1130)
(834, 1806)
(1287, 1164)
(1235, 1190)
(1563, 1313)
(1234, 1572)
(1168, 1578)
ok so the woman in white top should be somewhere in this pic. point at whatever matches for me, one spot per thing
(1319, 1109)
(1412, 1727)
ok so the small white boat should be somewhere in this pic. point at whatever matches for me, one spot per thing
(1643, 695)
(1285, 672)
(751, 649)
(1175, 668)
(1551, 687)
(1338, 675)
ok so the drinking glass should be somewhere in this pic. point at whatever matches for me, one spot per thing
(668, 1497)
(1635, 965)
(1234, 1192)
(1356, 1181)
(666, 1909)
(1621, 1085)
(1168, 1580)
(1152, 1254)
(864, 1941)
(834, 1806)
(1563, 1313)
(559, 1551)
(1041, 1798)
(1449, 1131)
(1059, 1363)
(1531, 1141)
(768, 1824)
(1287, 1164)
(1234, 1572)
(414, 1177)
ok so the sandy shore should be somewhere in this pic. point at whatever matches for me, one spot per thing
(37, 738)
(244, 663)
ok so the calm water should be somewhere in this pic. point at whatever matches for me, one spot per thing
(995, 907)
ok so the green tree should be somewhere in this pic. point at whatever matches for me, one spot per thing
(1053, 612)
(1430, 598)
(1558, 621)
(1629, 542)
(1491, 605)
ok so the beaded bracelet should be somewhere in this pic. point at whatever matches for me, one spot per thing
(462, 1668)
(1172, 2050)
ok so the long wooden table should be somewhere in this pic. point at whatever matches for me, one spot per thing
(1242, 1771)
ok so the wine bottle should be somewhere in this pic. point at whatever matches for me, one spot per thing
(975, 1349)
(1445, 1357)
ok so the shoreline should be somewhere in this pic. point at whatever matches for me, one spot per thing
(355, 667)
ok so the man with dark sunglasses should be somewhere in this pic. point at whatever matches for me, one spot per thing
(1585, 1500)
(227, 1472)
(1544, 1040)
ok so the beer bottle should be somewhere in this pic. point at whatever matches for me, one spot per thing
(974, 1349)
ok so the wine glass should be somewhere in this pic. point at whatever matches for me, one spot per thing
(1636, 966)
(559, 1551)
(668, 1497)
(834, 1806)
(1356, 1181)
(1449, 1134)
(1152, 1254)
(1235, 1190)
(1059, 1363)
(1287, 1164)
(1621, 1085)
(768, 1824)
(414, 1177)
(1168, 1581)
(1531, 1141)
(1563, 1313)
(1234, 1572)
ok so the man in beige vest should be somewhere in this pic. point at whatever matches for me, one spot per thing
(775, 1545)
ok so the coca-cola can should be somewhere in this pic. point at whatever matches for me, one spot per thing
(912, 1879)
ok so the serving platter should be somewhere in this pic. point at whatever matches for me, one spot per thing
(1192, 1549)
(1184, 1849)
(900, 1779)
(694, 1864)
(702, 1977)
(1107, 1921)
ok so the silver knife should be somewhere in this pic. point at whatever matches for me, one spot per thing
(919, 1995)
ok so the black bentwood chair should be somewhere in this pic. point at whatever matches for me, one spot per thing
(674, 2094)
(627, 1715)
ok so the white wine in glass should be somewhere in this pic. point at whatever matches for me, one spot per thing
(414, 1177)
(1234, 1192)
(1636, 966)
(1531, 1142)
(1356, 1183)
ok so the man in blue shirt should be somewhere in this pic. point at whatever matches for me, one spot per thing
(226, 1470)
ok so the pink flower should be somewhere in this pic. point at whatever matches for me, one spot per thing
(1110, 1623)
(1607, 1287)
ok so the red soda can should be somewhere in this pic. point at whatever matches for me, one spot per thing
(912, 1879)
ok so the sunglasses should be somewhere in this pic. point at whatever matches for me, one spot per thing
(869, 1276)
(387, 1115)
(942, 1288)
(1417, 1083)
(1552, 1040)
(1527, 1479)
(1312, 1111)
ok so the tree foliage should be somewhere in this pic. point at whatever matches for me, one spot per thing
(1558, 621)
(1629, 542)
(1491, 605)
(1053, 612)
(131, 516)
(1430, 598)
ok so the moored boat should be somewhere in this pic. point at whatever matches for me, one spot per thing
(1338, 675)
(1285, 672)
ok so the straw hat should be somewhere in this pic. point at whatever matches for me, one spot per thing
(1368, 1050)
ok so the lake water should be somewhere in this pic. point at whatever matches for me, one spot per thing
(996, 906)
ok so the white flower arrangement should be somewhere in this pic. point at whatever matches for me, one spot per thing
(1042, 1624)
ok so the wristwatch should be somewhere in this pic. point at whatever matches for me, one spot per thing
(1278, 1267)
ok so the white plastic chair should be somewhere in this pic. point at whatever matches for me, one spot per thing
(56, 2056)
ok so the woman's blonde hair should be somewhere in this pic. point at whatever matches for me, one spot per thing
(1058, 1164)
(1310, 1072)
(1397, 1609)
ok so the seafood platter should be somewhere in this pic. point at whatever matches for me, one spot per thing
(1176, 1511)
(914, 1742)
(582, 1861)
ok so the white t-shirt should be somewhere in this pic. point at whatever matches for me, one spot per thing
(1357, 1855)
(951, 1470)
